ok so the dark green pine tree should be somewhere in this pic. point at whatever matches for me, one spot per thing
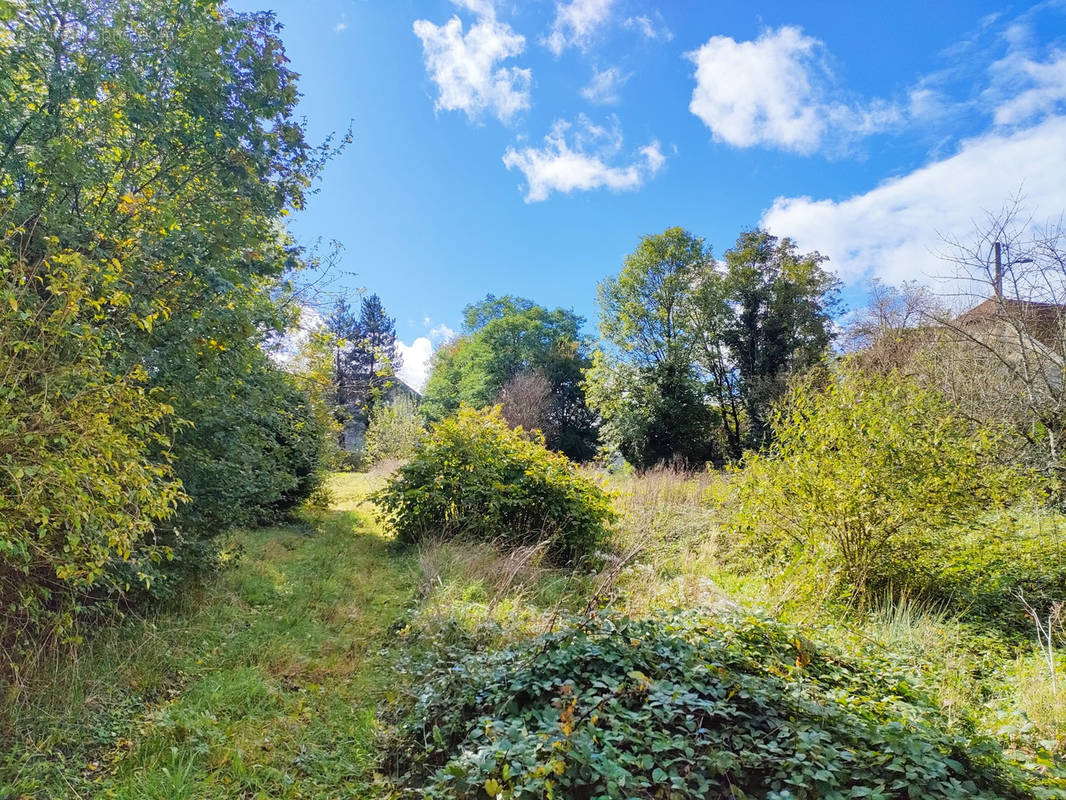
(369, 358)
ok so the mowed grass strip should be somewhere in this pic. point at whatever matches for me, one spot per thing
(261, 683)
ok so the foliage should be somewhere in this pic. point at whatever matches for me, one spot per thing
(859, 468)
(681, 706)
(651, 415)
(777, 322)
(368, 358)
(155, 144)
(985, 570)
(473, 476)
(717, 341)
(81, 488)
(645, 383)
(394, 432)
(261, 444)
(510, 336)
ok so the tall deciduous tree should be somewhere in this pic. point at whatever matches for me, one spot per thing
(779, 306)
(696, 352)
(646, 383)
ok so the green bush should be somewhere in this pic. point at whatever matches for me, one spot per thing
(682, 706)
(979, 571)
(861, 467)
(472, 476)
(81, 485)
(394, 432)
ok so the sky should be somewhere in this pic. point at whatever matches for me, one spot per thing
(524, 146)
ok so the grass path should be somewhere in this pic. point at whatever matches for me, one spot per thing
(262, 684)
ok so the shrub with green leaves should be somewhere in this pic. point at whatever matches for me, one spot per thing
(394, 432)
(81, 484)
(473, 476)
(984, 570)
(682, 706)
(862, 466)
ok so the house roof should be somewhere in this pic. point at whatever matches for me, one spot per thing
(1042, 321)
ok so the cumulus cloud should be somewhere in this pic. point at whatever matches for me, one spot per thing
(418, 356)
(287, 350)
(577, 157)
(416, 361)
(605, 86)
(576, 24)
(893, 231)
(655, 30)
(467, 66)
(776, 91)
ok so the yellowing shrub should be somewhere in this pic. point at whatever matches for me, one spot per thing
(860, 466)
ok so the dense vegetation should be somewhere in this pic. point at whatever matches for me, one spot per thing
(642, 624)
(150, 154)
(861, 472)
(508, 339)
(687, 707)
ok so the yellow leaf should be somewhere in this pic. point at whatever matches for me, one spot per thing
(492, 788)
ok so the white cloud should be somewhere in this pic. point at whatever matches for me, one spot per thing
(605, 86)
(583, 163)
(287, 350)
(418, 356)
(340, 26)
(893, 231)
(440, 334)
(466, 66)
(1024, 88)
(576, 24)
(776, 90)
(655, 30)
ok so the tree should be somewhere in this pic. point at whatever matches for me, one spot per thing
(79, 488)
(779, 306)
(394, 432)
(154, 143)
(1001, 360)
(525, 402)
(367, 357)
(646, 383)
(885, 335)
(505, 337)
(1005, 358)
(713, 344)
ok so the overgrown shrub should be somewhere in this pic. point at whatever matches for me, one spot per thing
(861, 467)
(473, 476)
(255, 452)
(394, 432)
(681, 706)
(82, 485)
(982, 571)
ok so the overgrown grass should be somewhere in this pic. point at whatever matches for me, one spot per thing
(668, 552)
(262, 682)
(268, 680)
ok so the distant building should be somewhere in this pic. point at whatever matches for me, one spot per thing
(353, 435)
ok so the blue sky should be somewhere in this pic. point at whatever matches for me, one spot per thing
(524, 147)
